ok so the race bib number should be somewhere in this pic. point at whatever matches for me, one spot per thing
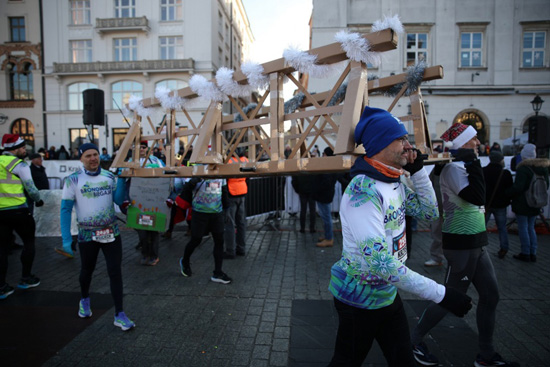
(106, 235)
(400, 247)
(146, 220)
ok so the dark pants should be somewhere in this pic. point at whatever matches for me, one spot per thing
(306, 200)
(113, 258)
(358, 328)
(22, 222)
(202, 224)
(235, 225)
(467, 267)
(149, 243)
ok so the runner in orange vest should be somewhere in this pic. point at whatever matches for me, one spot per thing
(235, 213)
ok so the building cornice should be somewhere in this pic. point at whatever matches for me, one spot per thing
(101, 68)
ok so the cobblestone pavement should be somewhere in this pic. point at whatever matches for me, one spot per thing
(195, 322)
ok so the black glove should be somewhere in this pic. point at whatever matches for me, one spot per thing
(465, 155)
(417, 165)
(456, 302)
(39, 203)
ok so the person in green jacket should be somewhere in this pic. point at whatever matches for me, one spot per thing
(526, 215)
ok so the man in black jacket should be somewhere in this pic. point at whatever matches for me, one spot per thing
(39, 177)
(38, 172)
(464, 238)
(497, 180)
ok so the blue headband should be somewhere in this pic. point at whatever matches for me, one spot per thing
(377, 129)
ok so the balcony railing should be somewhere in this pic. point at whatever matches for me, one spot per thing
(111, 67)
(107, 25)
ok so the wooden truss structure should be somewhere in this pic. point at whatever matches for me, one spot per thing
(318, 117)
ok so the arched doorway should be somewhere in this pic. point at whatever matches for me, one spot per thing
(25, 129)
(477, 120)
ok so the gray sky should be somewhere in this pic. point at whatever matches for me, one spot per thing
(277, 25)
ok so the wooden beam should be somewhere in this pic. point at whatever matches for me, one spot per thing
(384, 40)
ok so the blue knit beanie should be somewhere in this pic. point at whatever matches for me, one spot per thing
(87, 146)
(377, 129)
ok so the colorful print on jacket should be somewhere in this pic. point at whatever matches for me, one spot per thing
(93, 200)
(208, 196)
(374, 244)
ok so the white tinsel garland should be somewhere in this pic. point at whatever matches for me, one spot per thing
(205, 88)
(305, 63)
(389, 22)
(254, 74)
(135, 104)
(358, 48)
(168, 101)
(226, 83)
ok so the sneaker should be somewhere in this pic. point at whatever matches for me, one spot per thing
(29, 282)
(432, 262)
(325, 243)
(84, 309)
(221, 278)
(423, 355)
(533, 258)
(185, 270)
(5, 291)
(144, 260)
(241, 253)
(167, 235)
(496, 361)
(63, 252)
(153, 262)
(123, 322)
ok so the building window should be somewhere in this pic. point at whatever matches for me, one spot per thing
(17, 29)
(417, 48)
(80, 136)
(118, 137)
(74, 91)
(171, 84)
(171, 48)
(471, 49)
(220, 24)
(81, 51)
(121, 92)
(533, 49)
(21, 85)
(171, 10)
(125, 8)
(475, 120)
(25, 129)
(125, 49)
(80, 12)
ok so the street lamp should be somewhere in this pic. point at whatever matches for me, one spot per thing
(537, 104)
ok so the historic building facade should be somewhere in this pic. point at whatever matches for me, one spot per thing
(21, 102)
(123, 47)
(495, 55)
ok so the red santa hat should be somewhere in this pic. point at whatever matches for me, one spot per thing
(12, 142)
(458, 135)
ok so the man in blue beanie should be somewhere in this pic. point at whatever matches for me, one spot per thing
(365, 280)
(90, 191)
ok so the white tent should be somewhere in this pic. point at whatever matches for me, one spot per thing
(520, 140)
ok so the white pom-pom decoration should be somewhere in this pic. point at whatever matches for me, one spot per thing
(205, 89)
(389, 22)
(135, 104)
(358, 48)
(226, 83)
(305, 63)
(254, 74)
